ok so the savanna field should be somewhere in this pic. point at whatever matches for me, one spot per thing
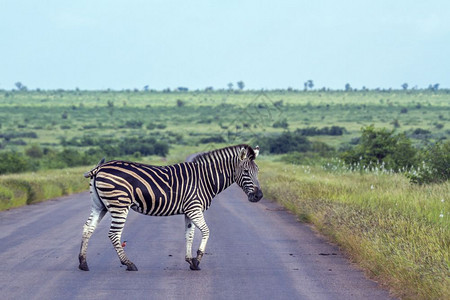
(368, 168)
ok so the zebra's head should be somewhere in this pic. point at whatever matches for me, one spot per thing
(246, 175)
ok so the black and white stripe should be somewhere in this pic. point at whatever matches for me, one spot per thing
(186, 188)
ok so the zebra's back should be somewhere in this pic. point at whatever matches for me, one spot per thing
(151, 190)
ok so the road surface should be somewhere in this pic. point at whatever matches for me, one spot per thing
(255, 251)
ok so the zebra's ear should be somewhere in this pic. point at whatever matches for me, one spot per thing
(256, 150)
(243, 154)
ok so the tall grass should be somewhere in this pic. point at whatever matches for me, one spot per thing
(398, 232)
(27, 188)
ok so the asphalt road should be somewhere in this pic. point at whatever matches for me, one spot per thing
(255, 251)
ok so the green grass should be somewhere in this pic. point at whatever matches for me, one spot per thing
(239, 117)
(396, 231)
(28, 188)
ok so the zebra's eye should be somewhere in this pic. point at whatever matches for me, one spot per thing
(245, 172)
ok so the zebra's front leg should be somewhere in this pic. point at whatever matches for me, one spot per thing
(198, 220)
(189, 233)
(115, 233)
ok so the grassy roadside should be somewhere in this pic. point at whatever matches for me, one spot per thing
(27, 188)
(398, 232)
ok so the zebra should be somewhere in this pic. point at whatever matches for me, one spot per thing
(185, 188)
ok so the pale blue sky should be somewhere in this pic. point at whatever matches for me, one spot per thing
(267, 44)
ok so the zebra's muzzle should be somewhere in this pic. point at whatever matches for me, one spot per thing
(255, 196)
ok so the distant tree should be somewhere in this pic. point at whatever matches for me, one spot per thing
(20, 86)
(405, 86)
(348, 87)
(309, 84)
(146, 88)
(240, 85)
(433, 87)
(111, 107)
(230, 86)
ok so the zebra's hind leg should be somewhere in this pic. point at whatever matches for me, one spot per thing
(95, 217)
(115, 233)
(198, 220)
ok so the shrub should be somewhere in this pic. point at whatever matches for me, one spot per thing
(12, 162)
(436, 164)
(34, 151)
(212, 139)
(380, 146)
(180, 103)
(286, 142)
(15, 135)
(145, 146)
(136, 124)
(72, 158)
(311, 131)
(281, 124)
(419, 131)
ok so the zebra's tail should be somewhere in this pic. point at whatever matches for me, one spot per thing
(94, 171)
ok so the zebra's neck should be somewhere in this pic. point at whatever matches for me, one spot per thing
(217, 170)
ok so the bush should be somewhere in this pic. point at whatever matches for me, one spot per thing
(135, 124)
(286, 142)
(13, 162)
(311, 131)
(152, 126)
(72, 158)
(436, 164)
(180, 103)
(212, 139)
(34, 151)
(419, 131)
(281, 124)
(380, 146)
(15, 135)
(145, 146)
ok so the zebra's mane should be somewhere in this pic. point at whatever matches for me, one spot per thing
(234, 149)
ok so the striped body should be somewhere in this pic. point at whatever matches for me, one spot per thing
(185, 188)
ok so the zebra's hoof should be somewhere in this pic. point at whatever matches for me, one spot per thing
(131, 267)
(83, 266)
(194, 264)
